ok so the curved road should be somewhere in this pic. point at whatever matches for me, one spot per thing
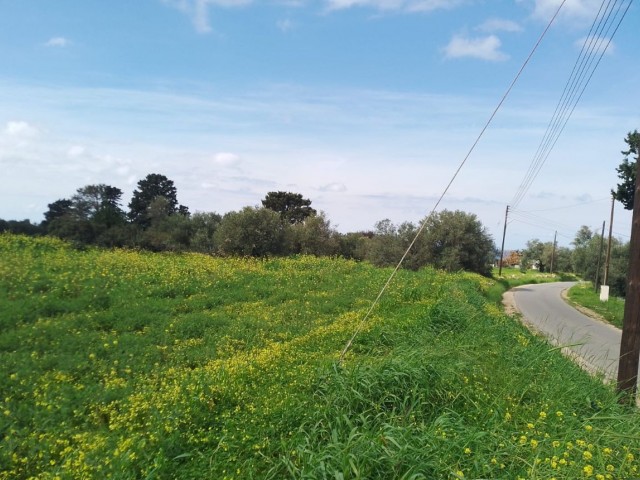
(595, 344)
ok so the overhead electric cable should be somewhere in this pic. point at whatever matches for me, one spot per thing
(580, 77)
(567, 206)
(552, 122)
(548, 229)
(455, 175)
(625, 235)
(564, 102)
(538, 218)
(540, 221)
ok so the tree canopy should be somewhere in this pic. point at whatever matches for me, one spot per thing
(87, 216)
(625, 191)
(588, 253)
(450, 241)
(253, 231)
(100, 204)
(57, 209)
(149, 189)
(457, 240)
(292, 207)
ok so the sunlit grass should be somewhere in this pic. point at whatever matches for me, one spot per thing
(123, 364)
(612, 310)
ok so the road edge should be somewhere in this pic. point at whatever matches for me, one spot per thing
(511, 308)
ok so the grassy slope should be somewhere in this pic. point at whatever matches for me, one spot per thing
(611, 310)
(134, 365)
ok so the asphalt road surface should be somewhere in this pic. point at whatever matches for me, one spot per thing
(595, 344)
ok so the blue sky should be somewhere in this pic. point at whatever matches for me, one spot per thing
(367, 107)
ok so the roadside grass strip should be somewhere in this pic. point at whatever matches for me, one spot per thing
(612, 310)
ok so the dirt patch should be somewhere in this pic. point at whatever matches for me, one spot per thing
(509, 304)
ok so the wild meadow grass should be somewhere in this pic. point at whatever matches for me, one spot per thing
(612, 310)
(124, 364)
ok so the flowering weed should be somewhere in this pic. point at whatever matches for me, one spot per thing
(125, 364)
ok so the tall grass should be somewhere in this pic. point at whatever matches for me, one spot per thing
(121, 364)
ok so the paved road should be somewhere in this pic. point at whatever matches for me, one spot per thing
(596, 344)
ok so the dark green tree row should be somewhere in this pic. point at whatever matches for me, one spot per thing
(284, 224)
(449, 240)
(287, 224)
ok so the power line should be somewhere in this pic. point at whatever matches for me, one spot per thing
(625, 235)
(538, 218)
(567, 206)
(561, 107)
(543, 226)
(455, 175)
(580, 77)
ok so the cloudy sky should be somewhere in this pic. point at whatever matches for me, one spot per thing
(367, 107)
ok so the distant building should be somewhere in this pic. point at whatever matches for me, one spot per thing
(512, 259)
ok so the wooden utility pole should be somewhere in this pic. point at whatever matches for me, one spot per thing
(630, 342)
(595, 285)
(608, 259)
(553, 252)
(504, 234)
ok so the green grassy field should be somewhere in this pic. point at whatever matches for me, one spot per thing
(612, 310)
(132, 365)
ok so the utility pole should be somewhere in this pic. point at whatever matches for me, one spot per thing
(608, 260)
(553, 252)
(595, 285)
(604, 288)
(504, 234)
(630, 342)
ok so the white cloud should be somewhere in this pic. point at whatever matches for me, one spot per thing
(76, 151)
(198, 10)
(499, 25)
(285, 25)
(58, 42)
(333, 187)
(406, 5)
(484, 48)
(20, 129)
(338, 133)
(595, 43)
(580, 9)
(226, 159)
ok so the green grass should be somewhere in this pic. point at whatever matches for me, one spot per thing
(122, 364)
(611, 310)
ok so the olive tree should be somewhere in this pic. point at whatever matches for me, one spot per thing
(456, 240)
(252, 231)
